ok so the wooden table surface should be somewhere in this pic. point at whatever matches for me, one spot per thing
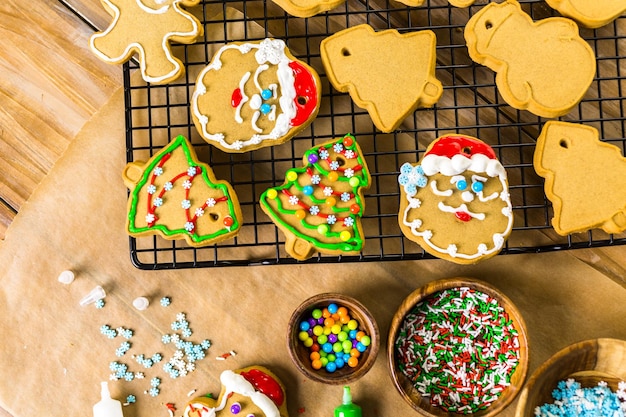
(51, 85)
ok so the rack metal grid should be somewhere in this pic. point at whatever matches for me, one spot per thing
(469, 105)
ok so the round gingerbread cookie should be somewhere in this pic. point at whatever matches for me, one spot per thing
(455, 204)
(253, 95)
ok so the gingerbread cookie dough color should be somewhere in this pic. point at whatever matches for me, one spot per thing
(147, 28)
(254, 95)
(175, 196)
(320, 205)
(455, 204)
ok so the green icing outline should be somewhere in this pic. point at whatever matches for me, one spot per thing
(179, 141)
(355, 243)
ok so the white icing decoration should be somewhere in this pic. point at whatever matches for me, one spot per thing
(463, 208)
(268, 50)
(467, 196)
(255, 102)
(139, 47)
(244, 97)
(458, 164)
(258, 71)
(436, 191)
(255, 117)
(271, 116)
(235, 383)
(498, 238)
(484, 199)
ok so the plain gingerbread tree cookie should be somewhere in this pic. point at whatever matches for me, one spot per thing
(387, 73)
(585, 178)
(175, 196)
(544, 67)
(252, 391)
(147, 28)
(590, 13)
(307, 8)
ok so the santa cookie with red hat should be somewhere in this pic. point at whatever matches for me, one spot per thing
(455, 204)
(248, 392)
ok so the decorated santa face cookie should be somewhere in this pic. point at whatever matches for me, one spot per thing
(248, 392)
(254, 95)
(455, 204)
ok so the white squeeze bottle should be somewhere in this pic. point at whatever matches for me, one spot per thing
(107, 407)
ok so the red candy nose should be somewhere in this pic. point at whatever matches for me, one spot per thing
(463, 216)
(306, 93)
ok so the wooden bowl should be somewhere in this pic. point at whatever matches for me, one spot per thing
(300, 354)
(588, 362)
(405, 387)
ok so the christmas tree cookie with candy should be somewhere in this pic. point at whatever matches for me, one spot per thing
(252, 391)
(253, 95)
(455, 203)
(175, 196)
(320, 205)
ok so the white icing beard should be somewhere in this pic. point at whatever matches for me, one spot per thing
(237, 384)
(268, 52)
(482, 249)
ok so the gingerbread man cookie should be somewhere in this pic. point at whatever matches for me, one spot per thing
(147, 27)
(544, 67)
(358, 60)
(585, 178)
(250, 392)
(320, 205)
(175, 196)
(455, 204)
(254, 94)
(590, 13)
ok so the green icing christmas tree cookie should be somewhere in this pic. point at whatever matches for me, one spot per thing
(175, 196)
(320, 205)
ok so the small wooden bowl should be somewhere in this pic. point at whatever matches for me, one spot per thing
(300, 354)
(405, 387)
(588, 362)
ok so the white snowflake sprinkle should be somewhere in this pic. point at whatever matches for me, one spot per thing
(315, 179)
(150, 218)
(199, 212)
(338, 147)
(334, 165)
(348, 172)
(192, 171)
(331, 219)
(345, 197)
(293, 200)
(158, 171)
(168, 186)
(186, 184)
(323, 154)
(210, 202)
(328, 191)
(151, 189)
(314, 210)
(185, 204)
(158, 202)
(348, 222)
(349, 154)
(189, 226)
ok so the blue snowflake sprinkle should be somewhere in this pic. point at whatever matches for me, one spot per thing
(165, 301)
(99, 303)
(205, 344)
(131, 399)
(129, 376)
(166, 338)
(155, 382)
(157, 358)
(154, 391)
(104, 329)
(187, 332)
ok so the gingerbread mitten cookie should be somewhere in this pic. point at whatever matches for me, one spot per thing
(147, 27)
(585, 178)
(455, 204)
(254, 94)
(591, 14)
(175, 196)
(252, 391)
(544, 67)
(358, 60)
(320, 205)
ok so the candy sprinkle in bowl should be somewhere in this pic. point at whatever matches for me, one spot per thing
(457, 346)
(588, 363)
(332, 338)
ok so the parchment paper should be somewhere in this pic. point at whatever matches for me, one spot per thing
(54, 356)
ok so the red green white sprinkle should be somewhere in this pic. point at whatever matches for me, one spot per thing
(459, 348)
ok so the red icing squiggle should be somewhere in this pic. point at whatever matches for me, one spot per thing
(306, 93)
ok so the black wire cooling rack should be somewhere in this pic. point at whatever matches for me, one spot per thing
(469, 105)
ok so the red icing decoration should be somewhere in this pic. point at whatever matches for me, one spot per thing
(266, 384)
(463, 216)
(306, 93)
(347, 141)
(355, 209)
(228, 221)
(449, 146)
(236, 97)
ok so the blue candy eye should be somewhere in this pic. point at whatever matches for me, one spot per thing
(461, 185)
(477, 186)
(266, 94)
(265, 108)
